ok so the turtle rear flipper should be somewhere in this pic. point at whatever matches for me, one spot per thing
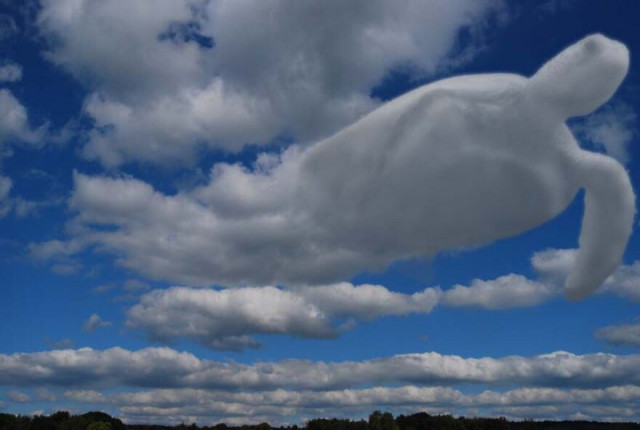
(606, 225)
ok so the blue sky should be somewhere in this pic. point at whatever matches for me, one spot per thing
(147, 154)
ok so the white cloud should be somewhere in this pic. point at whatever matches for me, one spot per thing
(17, 396)
(623, 334)
(611, 128)
(625, 281)
(554, 265)
(10, 72)
(505, 292)
(14, 123)
(95, 322)
(167, 368)
(229, 319)
(303, 70)
(159, 384)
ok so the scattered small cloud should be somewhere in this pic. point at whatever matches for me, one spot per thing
(45, 395)
(8, 27)
(95, 322)
(66, 269)
(229, 319)
(611, 128)
(104, 288)
(505, 292)
(135, 286)
(620, 335)
(17, 396)
(164, 109)
(10, 72)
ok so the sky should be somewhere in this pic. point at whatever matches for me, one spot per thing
(192, 230)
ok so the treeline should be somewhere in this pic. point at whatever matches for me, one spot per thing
(377, 421)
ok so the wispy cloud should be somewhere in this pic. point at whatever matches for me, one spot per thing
(622, 334)
(95, 322)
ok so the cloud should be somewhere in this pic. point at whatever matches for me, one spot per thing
(8, 26)
(623, 334)
(14, 123)
(505, 292)
(323, 213)
(155, 384)
(302, 71)
(167, 368)
(17, 396)
(211, 405)
(228, 319)
(95, 322)
(554, 266)
(10, 72)
(46, 395)
(612, 128)
(135, 285)
(20, 206)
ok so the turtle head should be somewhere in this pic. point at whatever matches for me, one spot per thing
(582, 77)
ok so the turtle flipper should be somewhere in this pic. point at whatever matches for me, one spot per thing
(606, 225)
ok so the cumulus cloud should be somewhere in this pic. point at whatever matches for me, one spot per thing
(95, 322)
(213, 404)
(226, 319)
(229, 319)
(159, 383)
(46, 395)
(554, 266)
(505, 292)
(623, 334)
(303, 70)
(10, 72)
(14, 123)
(332, 207)
(167, 368)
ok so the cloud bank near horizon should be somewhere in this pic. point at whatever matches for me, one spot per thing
(167, 384)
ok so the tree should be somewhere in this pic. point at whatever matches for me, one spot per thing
(382, 421)
(99, 425)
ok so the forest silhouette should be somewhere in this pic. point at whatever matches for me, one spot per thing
(63, 420)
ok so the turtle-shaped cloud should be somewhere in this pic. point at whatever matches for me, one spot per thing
(467, 160)
(457, 163)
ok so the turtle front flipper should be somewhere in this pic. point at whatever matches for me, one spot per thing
(607, 222)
